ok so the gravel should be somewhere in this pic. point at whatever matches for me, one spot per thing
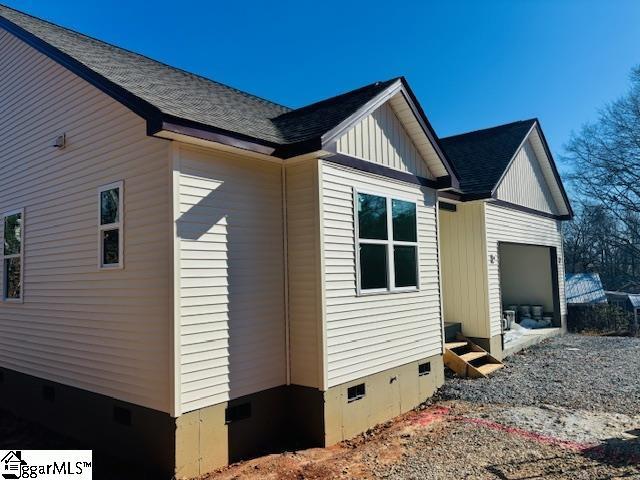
(574, 371)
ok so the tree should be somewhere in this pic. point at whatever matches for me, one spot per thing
(604, 236)
(606, 160)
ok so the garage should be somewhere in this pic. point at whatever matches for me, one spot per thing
(529, 285)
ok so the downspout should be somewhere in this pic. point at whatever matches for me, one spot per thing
(285, 248)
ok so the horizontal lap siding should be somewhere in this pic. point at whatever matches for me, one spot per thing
(103, 331)
(369, 334)
(525, 184)
(231, 277)
(304, 273)
(507, 225)
(381, 138)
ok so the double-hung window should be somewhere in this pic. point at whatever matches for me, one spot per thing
(13, 255)
(110, 235)
(386, 244)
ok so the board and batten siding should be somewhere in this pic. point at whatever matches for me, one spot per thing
(381, 138)
(230, 235)
(464, 268)
(303, 247)
(105, 331)
(371, 333)
(509, 225)
(525, 184)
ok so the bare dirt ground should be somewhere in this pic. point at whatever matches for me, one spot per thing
(566, 409)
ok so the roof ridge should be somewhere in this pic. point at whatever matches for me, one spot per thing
(348, 92)
(495, 127)
(94, 39)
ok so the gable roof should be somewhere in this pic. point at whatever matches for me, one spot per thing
(171, 99)
(481, 158)
(584, 288)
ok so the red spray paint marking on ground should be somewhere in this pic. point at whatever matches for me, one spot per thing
(430, 415)
(439, 413)
(537, 437)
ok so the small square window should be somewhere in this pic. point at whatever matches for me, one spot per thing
(424, 369)
(356, 392)
(237, 412)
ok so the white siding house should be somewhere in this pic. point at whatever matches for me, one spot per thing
(193, 275)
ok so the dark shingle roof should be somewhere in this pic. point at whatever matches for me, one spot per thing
(481, 157)
(184, 95)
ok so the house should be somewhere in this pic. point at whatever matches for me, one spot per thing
(500, 233)
(584, 289)
(192, 274)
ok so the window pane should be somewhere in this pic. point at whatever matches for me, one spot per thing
(109, 202)
(110, 247)
(373, 266)
(372, 216)
(12, 286)
(12, 234)
(404, 220)
(405, 266)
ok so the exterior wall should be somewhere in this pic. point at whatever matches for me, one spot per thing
(105, 331)
(231, 282)
(525, 183)
(381, 138)
(388, 394)
(464, 268)
(371, 333)
(303, 247)
(508, 225)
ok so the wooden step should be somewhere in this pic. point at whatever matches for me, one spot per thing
(489, 368)
(464, 364)
(469, 357)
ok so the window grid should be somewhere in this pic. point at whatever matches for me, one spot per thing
(5, 257)
(118, 225)
(389, 243)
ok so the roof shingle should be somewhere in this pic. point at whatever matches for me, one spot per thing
(184, 95)
(481, 157)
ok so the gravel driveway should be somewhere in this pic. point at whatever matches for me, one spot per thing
(584, 372)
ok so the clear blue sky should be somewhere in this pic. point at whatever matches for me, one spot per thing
(472, 64)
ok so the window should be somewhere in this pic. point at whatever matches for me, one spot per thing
(356, 392)
(387, 244)
(424, 369)
(237, 412)
(110, 225)
(13, 255)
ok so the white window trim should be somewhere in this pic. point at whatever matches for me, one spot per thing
(15, 255)
(111, 226)
(389, 242)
